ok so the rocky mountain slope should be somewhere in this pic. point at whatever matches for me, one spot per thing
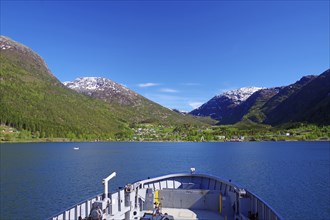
(250, 108)
(105, 89)
(221, 106)
(308, 100)
(284, 93)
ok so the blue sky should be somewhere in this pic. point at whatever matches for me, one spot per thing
(176, 53)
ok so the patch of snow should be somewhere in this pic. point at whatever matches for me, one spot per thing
(5, 46)
(93, 84)
(241, 94)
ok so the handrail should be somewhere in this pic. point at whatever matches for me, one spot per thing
(106, 181)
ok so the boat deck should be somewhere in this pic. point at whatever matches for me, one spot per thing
(188, 214)
(196, 196)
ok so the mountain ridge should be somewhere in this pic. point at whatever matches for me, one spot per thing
(274, 106)
(104, 89)
(24, 52)
(33, 99)
(221, 105)
(241, 94)
(302, 105)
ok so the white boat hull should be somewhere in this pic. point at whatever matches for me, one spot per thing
(183, 196)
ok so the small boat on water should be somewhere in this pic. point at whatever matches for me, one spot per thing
(76, 148)
(183, 196)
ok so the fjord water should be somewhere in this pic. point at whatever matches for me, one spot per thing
(41, 179)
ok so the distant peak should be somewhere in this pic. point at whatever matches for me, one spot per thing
(241, 94)
(90, 84)
(104, 89)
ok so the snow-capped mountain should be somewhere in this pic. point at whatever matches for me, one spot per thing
(305, 100)
(221, 105)
(241, 94)
(134, 107)
(104, 89)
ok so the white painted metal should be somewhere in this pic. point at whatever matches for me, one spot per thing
(106, 182)
(183, 191)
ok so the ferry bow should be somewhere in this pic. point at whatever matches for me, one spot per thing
(183, 196)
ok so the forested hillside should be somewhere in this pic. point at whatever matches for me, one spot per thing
(309, 102)
(33, 99)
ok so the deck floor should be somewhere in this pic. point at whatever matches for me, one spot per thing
(188, 214)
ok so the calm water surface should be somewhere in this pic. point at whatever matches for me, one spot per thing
(41, 179)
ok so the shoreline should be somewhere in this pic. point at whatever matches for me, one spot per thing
(161, 141)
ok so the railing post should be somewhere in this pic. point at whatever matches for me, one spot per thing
(105, 182)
